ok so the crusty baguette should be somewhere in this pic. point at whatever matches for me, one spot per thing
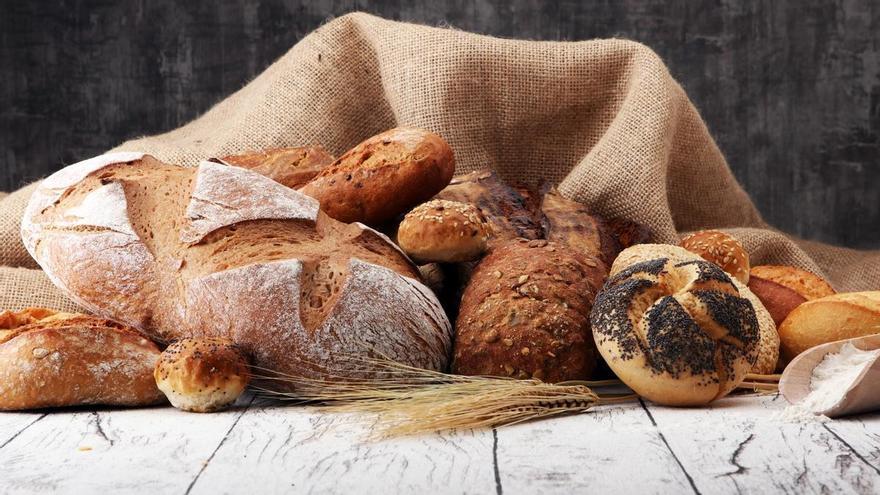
(293, 167)
(220, 251)
(828, 319)
(384, 176)
(74, 359)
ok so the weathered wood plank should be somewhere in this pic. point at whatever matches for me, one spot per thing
(738, 446)
(293, 449)
(13, 424)
(610, 450)
(157, 450)
(861, 434)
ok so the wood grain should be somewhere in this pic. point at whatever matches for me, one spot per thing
(735, 446)
(789, 88)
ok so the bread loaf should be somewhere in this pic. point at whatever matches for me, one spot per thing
(676, 332)
(722, 249)
(202, 375)
(384, 176)
(220, 251)
(443, 231)
(571, 224)
(768, 346)
(525, 313)
(293, 167)
(783, 288)
(50, 359)
(829, 319)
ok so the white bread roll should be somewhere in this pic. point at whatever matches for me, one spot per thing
(829, 319)
(676, 332)
(220, 251)
(768, 347)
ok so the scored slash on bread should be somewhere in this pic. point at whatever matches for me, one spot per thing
(223, 251)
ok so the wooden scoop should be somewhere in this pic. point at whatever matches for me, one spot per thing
(862, 396)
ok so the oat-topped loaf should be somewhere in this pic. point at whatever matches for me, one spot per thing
(676, 332)
(220, 251)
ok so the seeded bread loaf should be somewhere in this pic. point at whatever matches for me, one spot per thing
(722, 249)
(768, 346)
(220, 251)
(384, 176)
(293, 167)
(50, 359)
(525, 313)
(677, 332)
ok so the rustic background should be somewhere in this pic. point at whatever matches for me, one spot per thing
(790, 89)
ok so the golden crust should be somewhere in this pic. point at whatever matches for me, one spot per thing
(443, 231)
(384, 176)
(828, 319)
(524, 313)
(722, 249)
(292, 167)
(202, 375)
(806, 284)
(64, 360)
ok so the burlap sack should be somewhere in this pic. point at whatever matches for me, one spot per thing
(604, 119)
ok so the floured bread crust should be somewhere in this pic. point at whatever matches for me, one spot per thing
(224, 251)
(57, 360)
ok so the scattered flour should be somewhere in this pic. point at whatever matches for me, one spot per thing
(831, 380)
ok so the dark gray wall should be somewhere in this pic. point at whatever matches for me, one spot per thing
(790, 89)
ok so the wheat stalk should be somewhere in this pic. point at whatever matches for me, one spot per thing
(408, 400)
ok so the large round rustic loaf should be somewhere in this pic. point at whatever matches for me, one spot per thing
(525, 313)
(220, 251)
(676, 332)
(50, 359)
(768, 347)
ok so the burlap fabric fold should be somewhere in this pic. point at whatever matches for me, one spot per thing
(604, 119)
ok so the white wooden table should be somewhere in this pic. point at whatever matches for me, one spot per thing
(734, 447)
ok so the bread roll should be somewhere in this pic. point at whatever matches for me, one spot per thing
(525, 313)
(220, 251)
(768, 347)
(50, 359)
(722, 249)
(783, 288)
(202, 375)
(506, 210)
(443, 231)
(829, 319)
(677, 332)
(384, 176)
(292, 167)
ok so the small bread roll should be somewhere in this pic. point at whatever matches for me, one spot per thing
(202, 375)
(768, 347)
(829, 319)
(443, 231)
(783, 288)
(722, 249)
